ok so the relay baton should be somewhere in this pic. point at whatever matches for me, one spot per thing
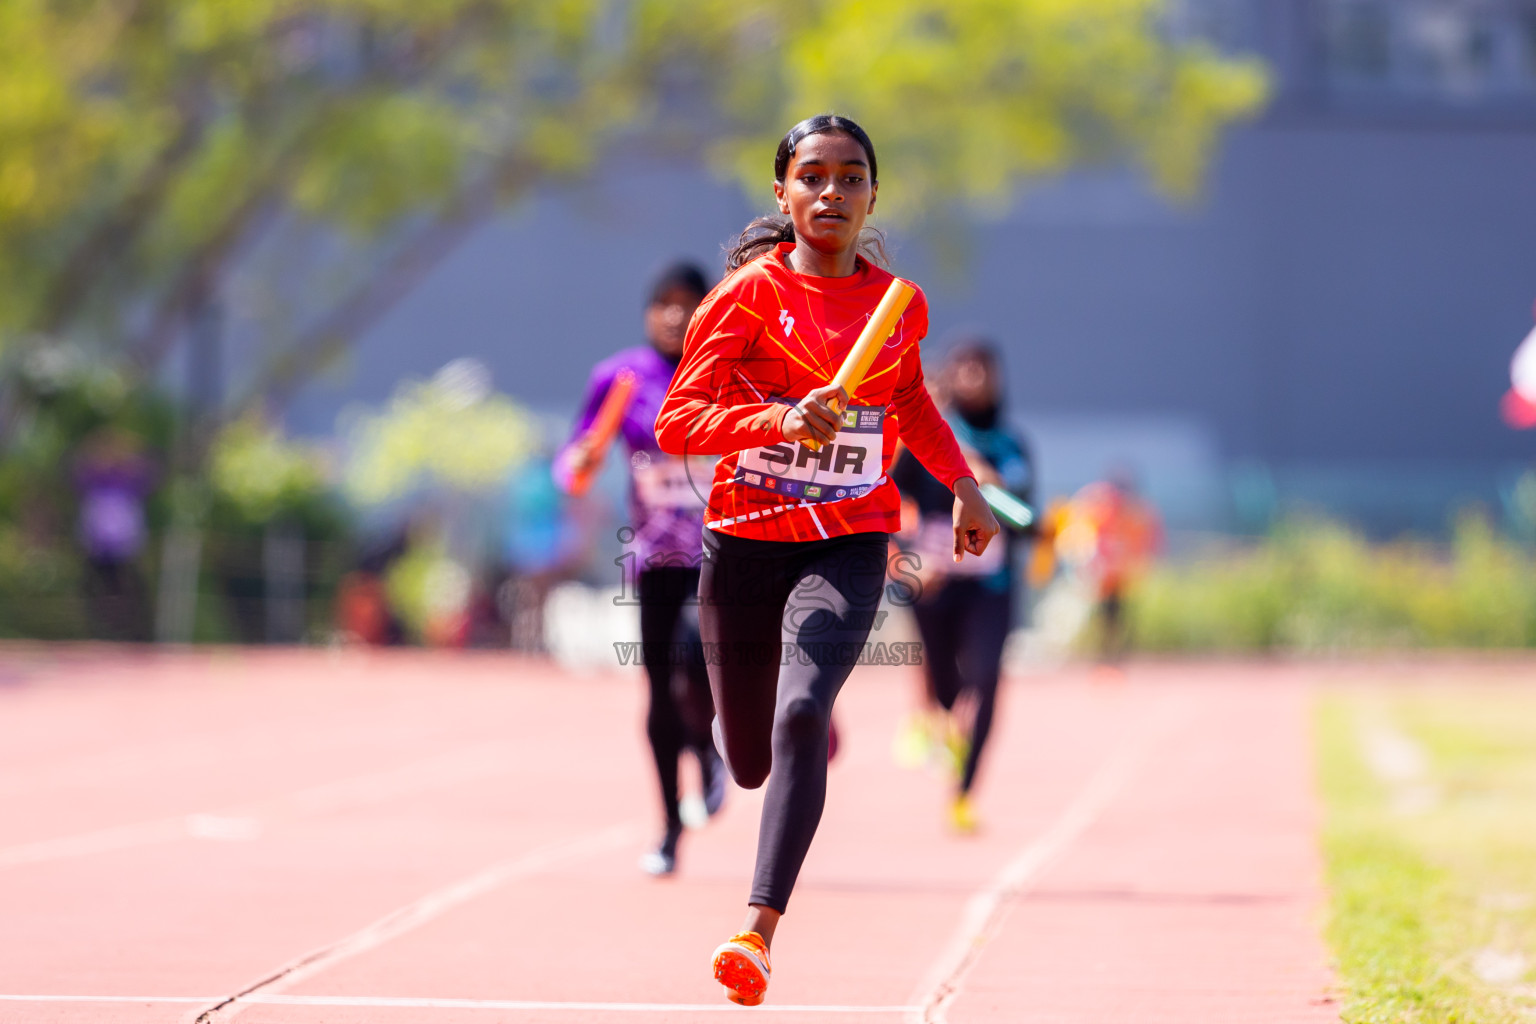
(882, 324)
(1007, 507)
(604, 425)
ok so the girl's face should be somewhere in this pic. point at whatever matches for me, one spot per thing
(973, 384)
(666, 320)
(827, 192)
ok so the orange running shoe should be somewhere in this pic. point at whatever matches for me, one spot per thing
(741, 965)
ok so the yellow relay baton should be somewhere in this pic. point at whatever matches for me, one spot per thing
(882, 324)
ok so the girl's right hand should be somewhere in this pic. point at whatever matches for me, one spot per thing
(815, 419)
(975, 525)
(579, 457)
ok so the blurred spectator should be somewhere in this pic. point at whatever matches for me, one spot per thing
(430, 585)
(114, 478)
(546, 538)
(362, 610)
(485, 626)
(364, 613)
(1112, 534)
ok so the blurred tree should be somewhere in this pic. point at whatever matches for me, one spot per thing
(274, 537)
(452, 432)
(455, 442)
(964, 98)
(149, 144)
(148, 147)
(261, 474)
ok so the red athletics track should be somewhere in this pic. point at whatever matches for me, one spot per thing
(356, 837)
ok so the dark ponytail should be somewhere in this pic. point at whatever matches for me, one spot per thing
(765, 233)
(756, 238)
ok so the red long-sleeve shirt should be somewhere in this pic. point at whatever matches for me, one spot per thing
(766, 335)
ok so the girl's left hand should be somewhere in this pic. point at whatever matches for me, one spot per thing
(975, 525)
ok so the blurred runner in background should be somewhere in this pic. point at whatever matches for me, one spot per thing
(1114, 534)
(546, 538)
(965, 609)
(364, 612)
(666, 497)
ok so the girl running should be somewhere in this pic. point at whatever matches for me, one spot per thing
(666, 509)
(795, 537)
(964, 611)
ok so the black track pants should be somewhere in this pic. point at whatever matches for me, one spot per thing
(680, 710)
(964, 625)
(784, 624)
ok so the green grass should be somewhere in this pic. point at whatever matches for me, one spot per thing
(1315, 585)
(1421, 885)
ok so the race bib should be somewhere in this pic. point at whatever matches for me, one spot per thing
(667, 481)
(848, 466)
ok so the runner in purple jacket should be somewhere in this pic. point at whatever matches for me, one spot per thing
(662, 549)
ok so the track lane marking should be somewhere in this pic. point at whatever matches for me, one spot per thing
(531, 1005)
(102, 999)
(527, 1005)
(419, 912)
(356, 791)
(987, 910)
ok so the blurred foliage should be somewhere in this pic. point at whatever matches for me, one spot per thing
(40, 590)
(1315, 585)
(260, 481)
(263, 475)
(451, 431)
(148, 147)
(964, 98)
(428, 590)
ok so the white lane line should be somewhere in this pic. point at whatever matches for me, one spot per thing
(987, 910)
(527, 1005)
(244, 822)
(101, 999)
(419, 912)
(530, 1005)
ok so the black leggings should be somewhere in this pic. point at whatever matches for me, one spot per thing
(1114, 637)
(964, 625)
(784, 623)
(679, 714)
